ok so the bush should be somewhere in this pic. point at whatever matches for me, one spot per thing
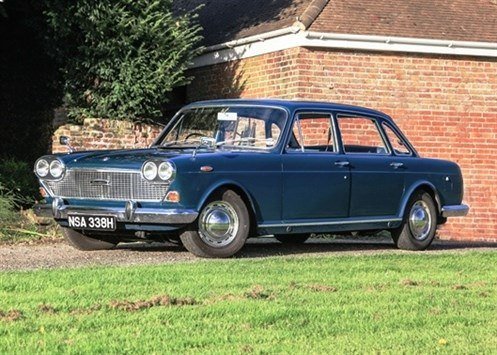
(18, 178)
(121, 58)
(7, 207)
(17, 225)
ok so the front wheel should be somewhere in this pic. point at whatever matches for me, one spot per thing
(419, 224)
(221, 229)
(82, 242)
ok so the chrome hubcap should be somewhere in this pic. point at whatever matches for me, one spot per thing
(420, 220)
(218, 224)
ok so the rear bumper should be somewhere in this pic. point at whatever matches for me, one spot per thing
(129, 214)
(455, 210)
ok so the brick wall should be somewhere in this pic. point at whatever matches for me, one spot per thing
(270, 75)
(447, 106)
(96, 134)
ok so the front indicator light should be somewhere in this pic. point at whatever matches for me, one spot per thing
(43, 192)
(173, 196)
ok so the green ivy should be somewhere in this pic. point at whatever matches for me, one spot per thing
(121, 58)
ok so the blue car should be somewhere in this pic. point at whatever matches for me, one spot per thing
(226, 170)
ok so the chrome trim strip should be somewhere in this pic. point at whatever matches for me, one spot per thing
(47, 189)
(106, 170)
(110, 199)
(455, 210)
(331, 223)
(140, 215)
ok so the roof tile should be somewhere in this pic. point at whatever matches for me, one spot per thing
(226, 20)
(463, 20)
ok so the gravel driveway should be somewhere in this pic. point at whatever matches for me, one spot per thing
(61, 255)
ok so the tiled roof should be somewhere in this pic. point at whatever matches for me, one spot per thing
(226, 20)
(463, 20)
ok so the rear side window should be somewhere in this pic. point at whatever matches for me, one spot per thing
(398, 144)
(360, 135)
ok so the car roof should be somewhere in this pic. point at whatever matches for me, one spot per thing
(291, 105)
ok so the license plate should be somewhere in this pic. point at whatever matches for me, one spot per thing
(106, 223)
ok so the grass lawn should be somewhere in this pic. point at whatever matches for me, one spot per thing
(386, 303)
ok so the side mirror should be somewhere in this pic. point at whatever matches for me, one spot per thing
(64, 140)
(208, 142)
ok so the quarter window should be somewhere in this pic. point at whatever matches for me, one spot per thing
(312, 132)
(360, 135)
(397, 143)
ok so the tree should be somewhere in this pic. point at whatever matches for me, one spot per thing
(121, 58)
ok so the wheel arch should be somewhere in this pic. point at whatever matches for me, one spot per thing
(240, 190)
(421, 186)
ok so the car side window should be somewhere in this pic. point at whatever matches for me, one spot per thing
(398, 144)
(312, 132)
(361, 135)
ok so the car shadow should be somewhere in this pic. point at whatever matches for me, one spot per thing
(268, 246)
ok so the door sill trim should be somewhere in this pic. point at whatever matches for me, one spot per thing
(330, 222)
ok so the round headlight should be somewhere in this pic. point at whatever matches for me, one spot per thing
(42, 168)
(149, 170)
(166, 171)
(56, 169)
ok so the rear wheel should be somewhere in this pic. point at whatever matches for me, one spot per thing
(419, 224)
(221, 229)
(83, 242)
(292, 238)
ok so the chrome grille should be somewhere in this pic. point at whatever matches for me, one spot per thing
(106, 185)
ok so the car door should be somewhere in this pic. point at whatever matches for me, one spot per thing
(316, 178)
(377, 175)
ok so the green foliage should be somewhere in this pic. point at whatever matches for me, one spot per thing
(17, 176)
(18, 225)
(403, 303)
(7, 206)
(121, 58)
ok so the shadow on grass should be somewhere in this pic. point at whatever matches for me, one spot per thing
(268, 246)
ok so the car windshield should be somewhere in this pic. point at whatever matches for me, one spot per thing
(226, 127)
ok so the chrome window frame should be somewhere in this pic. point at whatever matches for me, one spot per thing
(172, 123)
(297, 119)
(399, 136)
(376, 123)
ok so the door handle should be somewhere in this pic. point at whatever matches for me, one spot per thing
(397, 165)
(342, 164)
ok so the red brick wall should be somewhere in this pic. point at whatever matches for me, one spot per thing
(271, 75)
(359, 131)
(96, 134)
(315, 131)
(447, 106)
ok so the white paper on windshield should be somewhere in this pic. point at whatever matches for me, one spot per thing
(227, 116)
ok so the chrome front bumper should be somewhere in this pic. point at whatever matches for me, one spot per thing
(130, 214)
(455, 210)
